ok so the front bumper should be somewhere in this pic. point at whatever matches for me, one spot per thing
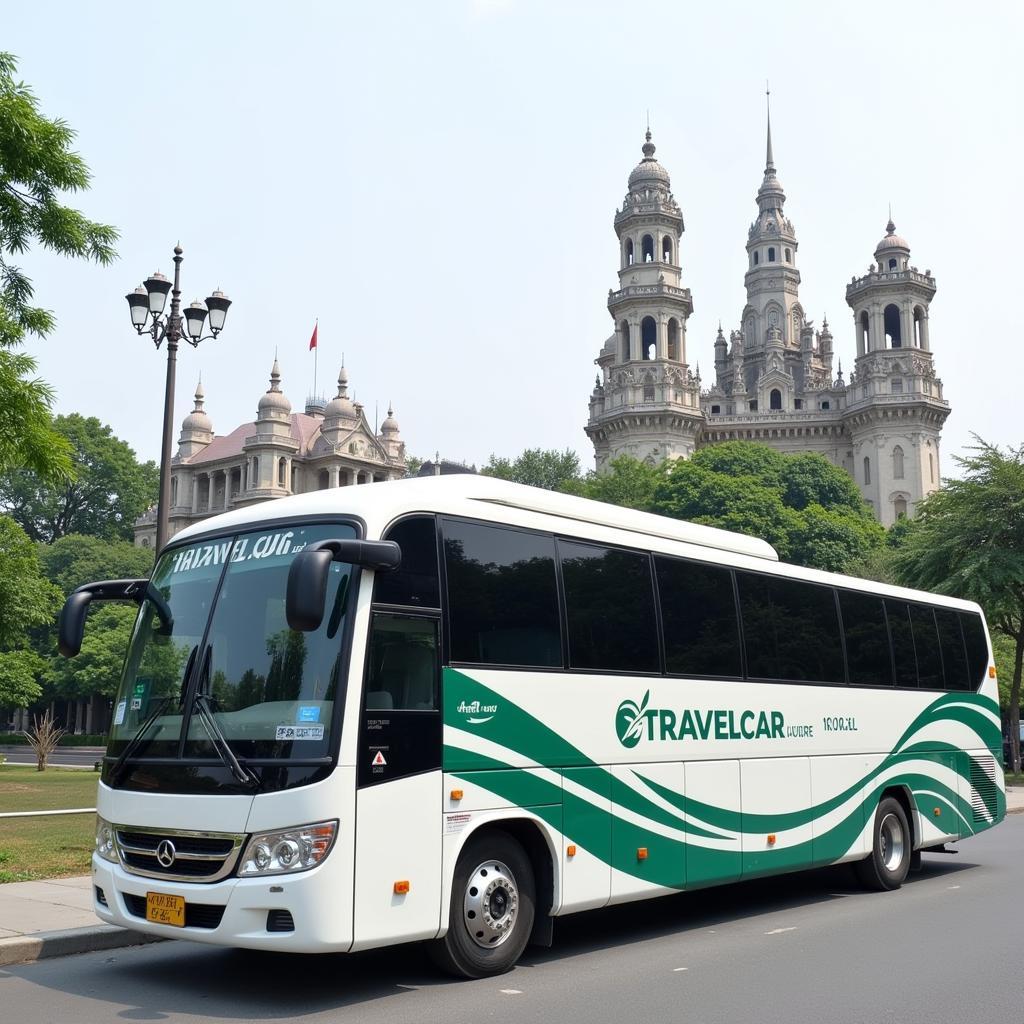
(313, 898)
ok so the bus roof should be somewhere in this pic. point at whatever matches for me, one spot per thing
(468, 494)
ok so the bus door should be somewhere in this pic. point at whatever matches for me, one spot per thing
(398, 770)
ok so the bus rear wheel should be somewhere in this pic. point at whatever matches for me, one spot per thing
(492, 908)
(887, 866)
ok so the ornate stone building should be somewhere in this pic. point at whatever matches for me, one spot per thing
(283, 452)
(774, 377)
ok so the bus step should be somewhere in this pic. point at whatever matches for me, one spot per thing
(941, 849)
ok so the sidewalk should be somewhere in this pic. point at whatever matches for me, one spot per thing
(55, 918)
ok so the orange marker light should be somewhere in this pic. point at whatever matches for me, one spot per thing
(641, 853)
(937, 812)
(991, 671)
(401, 888)
(771, 839)
(570, 850)
(456, 794)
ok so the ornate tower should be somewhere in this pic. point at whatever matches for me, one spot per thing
(270, 451)
(895, 409)
(646, 403)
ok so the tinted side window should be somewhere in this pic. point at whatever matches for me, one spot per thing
(903, 654)
(867, 639)
(790, 629)
(609, 602)
(977, 647)
(402, 671)
(926, 643)
(502, 595)
(415, 580)
(951, 644)
(698, 612)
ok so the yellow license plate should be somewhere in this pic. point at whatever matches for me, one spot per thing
(162, 908)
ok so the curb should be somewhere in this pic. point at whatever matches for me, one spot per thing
(27, 948)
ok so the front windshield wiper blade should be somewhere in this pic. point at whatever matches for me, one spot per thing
(201, 702)
(136, 741)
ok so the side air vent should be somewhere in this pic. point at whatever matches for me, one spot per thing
(280, 921)
(983, 787)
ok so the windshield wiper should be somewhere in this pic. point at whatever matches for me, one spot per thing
(202, 702)
(136, 741)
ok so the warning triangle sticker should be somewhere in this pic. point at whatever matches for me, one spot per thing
(378, 759)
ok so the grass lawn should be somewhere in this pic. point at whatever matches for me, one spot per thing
(34, 848)
(22, 788)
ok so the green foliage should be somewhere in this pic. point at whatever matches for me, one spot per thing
(109, 491)
(968, 541)
(537, 467)
(76, 559)
(27, 600)
(809, 510)
(412, 465)
(36, 167)
(628, 482)
(97, 669)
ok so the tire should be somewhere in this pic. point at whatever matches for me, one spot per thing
(492, 908)
(887, 866)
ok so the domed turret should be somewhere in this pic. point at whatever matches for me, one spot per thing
(893, 251)
(196, 427)
(274, 405)
(340, 407)
(390, 425)
(649, 171)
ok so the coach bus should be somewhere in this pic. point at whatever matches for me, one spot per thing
(454, 709)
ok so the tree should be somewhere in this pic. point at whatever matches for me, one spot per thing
(110, 488)
(76, 559)
(27, 600)
(809, 510)
(537, 467)
(36, 167)
(968, 541)
(627, 482)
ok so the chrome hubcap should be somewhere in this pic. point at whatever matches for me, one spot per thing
(491, 904)
(891, 840)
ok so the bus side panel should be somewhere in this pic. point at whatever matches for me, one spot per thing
(648, 858)
(776, 798)
(398, 838)
(713, 797)
(587, 825)
(840, 829)
(939, 800)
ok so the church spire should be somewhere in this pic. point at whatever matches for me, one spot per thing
(769, 161)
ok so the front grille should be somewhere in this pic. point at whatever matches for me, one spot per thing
(983, 787)
(280, 921)
(197, 915)
(197, 856)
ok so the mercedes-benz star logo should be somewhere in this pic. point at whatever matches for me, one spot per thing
(165, 853)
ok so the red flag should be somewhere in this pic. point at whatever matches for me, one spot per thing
(312, 341)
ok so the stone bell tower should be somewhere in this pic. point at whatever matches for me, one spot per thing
(646, 402)
(894, 409)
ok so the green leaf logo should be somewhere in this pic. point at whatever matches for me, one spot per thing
(629, 721)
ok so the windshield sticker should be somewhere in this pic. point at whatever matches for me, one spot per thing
(119, 713)
(136, 703)
(243, 549)
(308, 714)
(299, 732)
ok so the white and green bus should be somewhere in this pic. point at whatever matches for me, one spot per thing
(455, 709)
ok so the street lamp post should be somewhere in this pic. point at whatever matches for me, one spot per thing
(146, 305)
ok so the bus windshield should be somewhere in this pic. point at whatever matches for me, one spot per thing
(271, 690)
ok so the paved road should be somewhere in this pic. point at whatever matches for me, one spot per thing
(75, 756)
(801, 950)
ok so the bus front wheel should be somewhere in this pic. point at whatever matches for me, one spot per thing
(492, 907)
(891, 851)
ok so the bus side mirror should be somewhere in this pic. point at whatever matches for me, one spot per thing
(71, 624)
(307, 575)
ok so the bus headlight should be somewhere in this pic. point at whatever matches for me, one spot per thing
(288, 850)
(106, 845)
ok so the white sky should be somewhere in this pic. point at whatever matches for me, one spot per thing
(436, 182)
